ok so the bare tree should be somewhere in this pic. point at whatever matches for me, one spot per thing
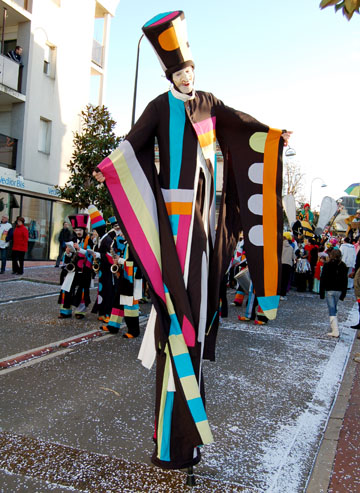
(293, 180)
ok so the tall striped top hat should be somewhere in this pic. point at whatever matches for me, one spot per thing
(96, 218)
(79, 221)
(168, 35)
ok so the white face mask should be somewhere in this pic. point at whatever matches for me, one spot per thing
(184, 80)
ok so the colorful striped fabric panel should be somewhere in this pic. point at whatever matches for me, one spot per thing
(185, 372)
(129, 271)
(266, 204)
(206, 134)
(176, 138)
(135, 201)
(178, 204)
(116, 318)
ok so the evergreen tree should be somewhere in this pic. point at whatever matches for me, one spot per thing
(92, 144)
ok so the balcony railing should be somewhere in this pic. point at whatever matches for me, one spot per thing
(8, 148)
(10, 73)
(97, 53)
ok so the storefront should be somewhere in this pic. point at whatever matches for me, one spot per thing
(44, 214)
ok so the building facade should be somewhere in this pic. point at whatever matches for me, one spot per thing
(65, 45)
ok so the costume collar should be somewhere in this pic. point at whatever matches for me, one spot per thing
(181, 95)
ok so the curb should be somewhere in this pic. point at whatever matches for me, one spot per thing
(40, 352)
(323, 468)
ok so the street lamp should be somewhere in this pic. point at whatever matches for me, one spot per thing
(135, 84)
(322, 186)
(290, 152)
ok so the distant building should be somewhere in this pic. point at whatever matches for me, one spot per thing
(40, 104)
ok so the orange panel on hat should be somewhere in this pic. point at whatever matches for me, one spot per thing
(168, 40)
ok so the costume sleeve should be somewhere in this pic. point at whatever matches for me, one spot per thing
(253, 154)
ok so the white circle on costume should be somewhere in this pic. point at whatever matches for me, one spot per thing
(255, 204)
(100, 299)
(256, 235)
(256, 173)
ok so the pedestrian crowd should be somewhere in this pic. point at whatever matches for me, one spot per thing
(324, 265)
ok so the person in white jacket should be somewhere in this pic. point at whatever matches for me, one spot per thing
(5, 227)
(349, 258)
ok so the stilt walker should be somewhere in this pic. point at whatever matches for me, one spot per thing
(168, 217)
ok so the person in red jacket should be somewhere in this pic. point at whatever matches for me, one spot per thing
(20, 246)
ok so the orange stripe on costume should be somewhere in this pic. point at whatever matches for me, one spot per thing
(181, 208)
(207, 139)
(270, 212)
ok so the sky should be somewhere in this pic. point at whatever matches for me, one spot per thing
(286, 63)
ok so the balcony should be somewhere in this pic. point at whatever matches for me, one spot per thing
(97, 53)
(8, 148)
(10, 81)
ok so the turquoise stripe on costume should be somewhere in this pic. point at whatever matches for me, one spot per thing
(183, 364)
(268, 302)
(114, 324)
(197, 409)
(132, 307)
(174, 222)
(176, 137)
(166, 431)
(157, 18)
(175, 328)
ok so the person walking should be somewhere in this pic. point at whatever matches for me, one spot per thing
(333, 286)
(348, 253)
(20, 246)
(65, 235)
(287, 261)
(5, 227)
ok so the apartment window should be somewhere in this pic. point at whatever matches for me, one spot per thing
(44, 135)
(49, 60)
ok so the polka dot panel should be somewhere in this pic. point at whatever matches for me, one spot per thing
(256, 173)
(257, 141)
(256, 235)
(255, 204)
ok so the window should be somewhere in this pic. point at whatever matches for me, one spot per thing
(44, 135)
(49, 60)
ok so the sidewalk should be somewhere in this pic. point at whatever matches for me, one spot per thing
(337, 466)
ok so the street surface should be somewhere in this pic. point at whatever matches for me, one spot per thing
(79, 416)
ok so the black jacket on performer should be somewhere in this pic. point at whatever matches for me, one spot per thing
(334, 277)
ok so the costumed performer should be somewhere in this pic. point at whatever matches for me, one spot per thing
(76, 274)
(101, 265)
(168, 218)
(128, 286)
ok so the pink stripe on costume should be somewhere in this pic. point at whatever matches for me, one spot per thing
(132, 226)
(188, 332)
(166, 18)
(205, 126)
(182, 238)
(117, 312)
(96, 219)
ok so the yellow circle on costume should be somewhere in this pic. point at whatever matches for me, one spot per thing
(168, 40)
(257, 141)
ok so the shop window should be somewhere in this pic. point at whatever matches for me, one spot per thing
(44, 135)
(61, 211)
(37, 220)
